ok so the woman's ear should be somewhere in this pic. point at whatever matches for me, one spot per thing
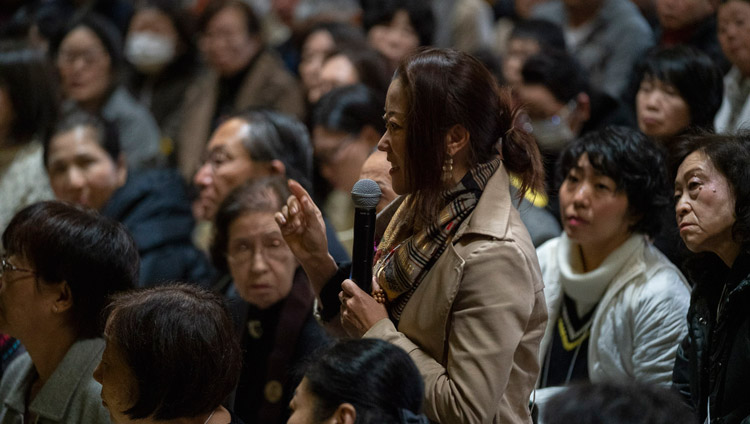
(345, 414)
(456, 139)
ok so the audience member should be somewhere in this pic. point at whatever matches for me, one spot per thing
(691, 23)
(561, 105)
(529, 37)
(616, 304)
(396, 28)
(89, 61)
(617, 403)
(349, 66)
(319, 42)
(679, 92)
(712, 199)
(606, 36)
(163, 64)
(454, 243)
(273, 308)
(247, 146)
(734, 37)
(27, 111)
(76, 259)
(376, 168)
(171, 356)
(85, 166)
(243, 73)
(360, 381)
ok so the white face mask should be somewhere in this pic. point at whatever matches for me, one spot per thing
(149, 52)
(554, 133)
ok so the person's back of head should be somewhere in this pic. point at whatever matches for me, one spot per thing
(349, 109)
(95, 256)
(377, 378)
(617, 403)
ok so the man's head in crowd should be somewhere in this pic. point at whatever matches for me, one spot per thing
(528, 38)
(248, 146)
(556, 95)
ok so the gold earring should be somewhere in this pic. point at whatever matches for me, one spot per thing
(448, 169)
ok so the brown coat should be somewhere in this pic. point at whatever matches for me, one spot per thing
(268, 84)
(474, 324)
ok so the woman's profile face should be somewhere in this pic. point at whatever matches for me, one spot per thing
(261, 263)
(84, 66)
(119, 391)
(393, 142)
(704, 205)
(594, 212)
(661, 110)
(81, 171)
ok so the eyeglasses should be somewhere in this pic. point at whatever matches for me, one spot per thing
(270, 249)
(89, 57)
(6, 266)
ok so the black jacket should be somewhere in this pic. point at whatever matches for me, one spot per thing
(154, 206)
(713, 361)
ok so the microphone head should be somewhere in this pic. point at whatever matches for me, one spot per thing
(366, 194)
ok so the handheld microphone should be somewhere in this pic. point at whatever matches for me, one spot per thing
(365, 195)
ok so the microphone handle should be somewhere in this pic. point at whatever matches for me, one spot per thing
(363, 248)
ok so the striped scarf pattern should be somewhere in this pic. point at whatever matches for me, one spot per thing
(404, 260)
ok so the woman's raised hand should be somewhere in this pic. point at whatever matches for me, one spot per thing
(302, 226)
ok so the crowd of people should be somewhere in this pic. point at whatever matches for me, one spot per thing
(563, 232)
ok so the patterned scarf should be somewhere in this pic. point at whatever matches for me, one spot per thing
(404, 259)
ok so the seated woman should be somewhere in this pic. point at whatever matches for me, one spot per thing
(27, 111)
(88, 55)
(616, 304)
(272, 300)
(679, 92)
(153, 337)
(85, 166)
(359, 381)
(462, 290)
(61, 265)
(712, 195)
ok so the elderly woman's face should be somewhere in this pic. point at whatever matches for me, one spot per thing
(261, 263)
(594, 212)
(118, 384)
(661, 110)
(81, 171)
(84, 66)
(704, 206)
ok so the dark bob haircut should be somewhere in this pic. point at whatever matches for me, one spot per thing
(179, 343)
(617, 403)
(635, 163)
(349, 109)
(262, 195)
(105, 31)
(444, 88)
(694, 75)
(730, 154)
(93, 254)
(381, 12)
(379, 379)
(370, 65)
(28, 82)
(105, 132)
(559, 72)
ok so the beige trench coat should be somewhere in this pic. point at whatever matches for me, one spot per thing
(474, 324)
